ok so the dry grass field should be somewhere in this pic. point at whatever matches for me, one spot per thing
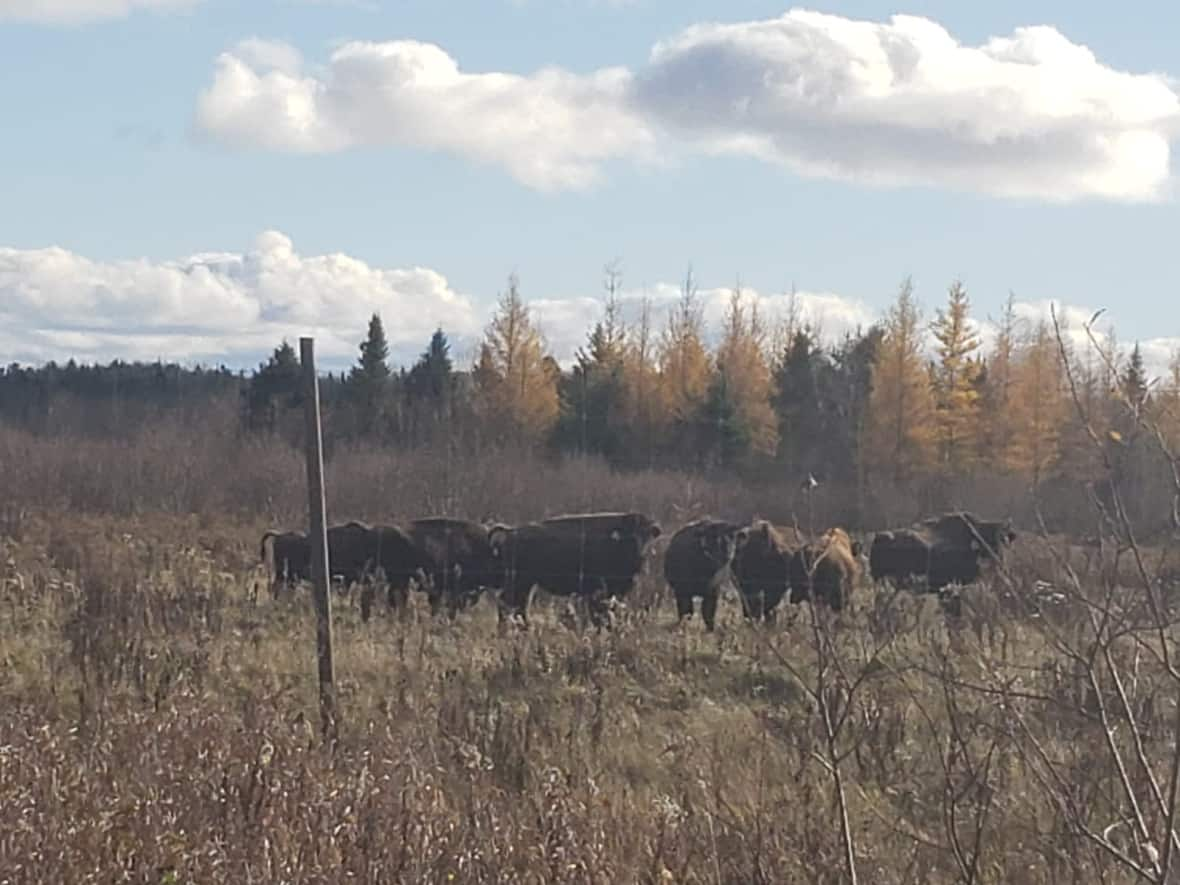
(160, 721)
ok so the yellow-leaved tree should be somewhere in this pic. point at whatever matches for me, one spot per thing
(1039, 403)
(1166, 405)
(956, 388)
(516, 381)
(743, 387)
(995, 414)
(900, 429)
(642, 409)
(683, 359)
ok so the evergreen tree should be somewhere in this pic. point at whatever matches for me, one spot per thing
(802, 428)
(432, 377)
(369, 380)
(1133, 382)
(723, 436)
(275, 387)
(373, 366)
(592, 393)
(430, 390)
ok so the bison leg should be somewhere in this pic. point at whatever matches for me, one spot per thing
(751, 604)
(683, 604)
(514, 598)
(709, 609)
(367, 594)
(598, 604)
(398, 595)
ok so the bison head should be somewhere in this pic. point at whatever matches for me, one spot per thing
(720, 541)
(638, 526)
(497, 536)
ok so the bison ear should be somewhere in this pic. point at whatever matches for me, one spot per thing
(740, 538)
(857, 548)
(656, 531)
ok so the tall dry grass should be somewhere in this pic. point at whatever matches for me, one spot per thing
(158, 714)
(158, 706)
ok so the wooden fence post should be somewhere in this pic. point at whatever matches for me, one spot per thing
(318, 538)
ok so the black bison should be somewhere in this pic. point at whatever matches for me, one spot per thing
(697, 563)
(899, 556)
(943, 550)
(597, 556)
(762, 568)
(355, 553)
(287, 556)
(826, 570)
(462, 562)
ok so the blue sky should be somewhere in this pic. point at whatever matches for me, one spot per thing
(133, 142)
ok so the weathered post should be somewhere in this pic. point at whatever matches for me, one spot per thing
(318, 538)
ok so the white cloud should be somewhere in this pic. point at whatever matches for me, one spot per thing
(235, 307)
(901, 102)
(68, 12)
(550, 130)
(232, 307)
(1072, 319)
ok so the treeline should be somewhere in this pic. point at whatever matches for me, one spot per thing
(874, 414)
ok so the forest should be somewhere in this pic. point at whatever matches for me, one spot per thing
(915, 408)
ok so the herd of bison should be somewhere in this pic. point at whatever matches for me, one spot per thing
(598, 556)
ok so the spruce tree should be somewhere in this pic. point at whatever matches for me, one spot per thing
(432, 376)
(276, 386)
(797, 402)
(1134, 379)
(372, 367)
(369, 378)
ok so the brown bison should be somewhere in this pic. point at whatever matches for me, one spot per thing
(826, 570)
(462, 562)
(697, 563)
(597, 556)
(762, 568)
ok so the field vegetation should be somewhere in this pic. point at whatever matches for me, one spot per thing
(160, 713)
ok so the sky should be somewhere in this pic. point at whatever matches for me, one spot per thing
(194, 180)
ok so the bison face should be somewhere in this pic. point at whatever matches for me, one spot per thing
(497, 536)
(718, 542)
(639, 526)
(740, 539)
